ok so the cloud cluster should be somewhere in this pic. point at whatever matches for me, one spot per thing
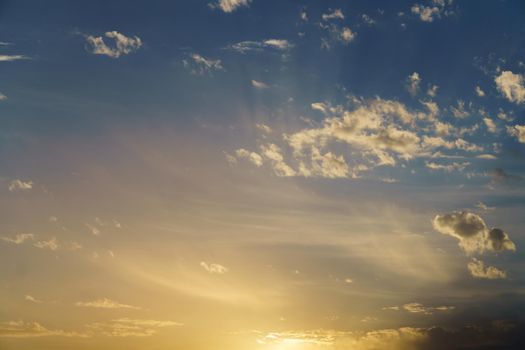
(51, 244)
(511, 86)
(518, 131)
(20, 185)
(472, 232)
(434, 10)
(122, 45)
(244, 47)
(418, 308)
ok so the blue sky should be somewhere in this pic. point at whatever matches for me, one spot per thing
(273, 174)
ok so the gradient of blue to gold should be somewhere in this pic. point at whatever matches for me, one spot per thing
(262, 174)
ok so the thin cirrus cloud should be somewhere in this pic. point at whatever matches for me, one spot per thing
(244, 47)
(105, 303)
(121, 44)
(10, 58)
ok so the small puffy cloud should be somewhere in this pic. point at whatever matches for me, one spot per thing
(459, 112)
(122, 45)
(347, 35)
(428, 13)
(417, 308)
(518, 131)
(253, 157)
(432, 90)
(20, 185)
(105, 303)
(229, 6)
(95, 231)
(213, 268)
(472, 232)
(9, 58)
(51, 244)
(478, 270)
(413, 82)
(201, 65)
(479, 92)
(273, 153)
(484, 207)
(259, 85)
(511, 86)
(3, 97)
(333, 14)
(244, 47)
(264, 128)
(491, 126)
(19, 238)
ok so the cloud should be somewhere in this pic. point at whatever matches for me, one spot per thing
(447, 167)
(19, 238)
(105, 303)
(334, 14)
(478, 270)
(9, 58)
(264, 128)
(511, 86)
(259, 46)
(122, 45)
(518, 131)
(127, 327)
(491, 126)
(479, 92)
(51, 244)
(273, 153)
(21, 329)
(3, 97)
(417, 308)
(253, 157)
(213, 268)
(201, 65)
(32, 299)
(19, 185)
(347, 35)
(259, 85)
(472, 232)
(434, 10)
(413, 82)
(93, 230)
(432, 90)
(484, 207)
(229, 6)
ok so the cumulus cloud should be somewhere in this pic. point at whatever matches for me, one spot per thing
(518, 131)
(264, 128)
(253, 157)
(273, 153)
(479, 92)
(472, 232)
(21, 329)
(105, 303)
(201, 65)
(511, 86)
(478, 270)
(214, 268)
(229, 6)
(455, 166)
(32, 299)
(333, 14)
(491, 126)
(121, 44)
(413, 82)
(434, 10)
(20, 185)
(51, 244)
(347, 35)
(19, 238)
(3, 97)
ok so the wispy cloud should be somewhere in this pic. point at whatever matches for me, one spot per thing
(105, 303)
(122, 45)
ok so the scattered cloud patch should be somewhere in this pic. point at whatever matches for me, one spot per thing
(105, 303)
(121, 44)
(413, 82)
(10, 58)
(511, 86)
(200, 65)
(244, 47)
(20, 185)
(229, 6)
(214, 268)
(333, 14)
(259, 85)
(417, 308)
(518, 131)
(19, 238)
(478, 270)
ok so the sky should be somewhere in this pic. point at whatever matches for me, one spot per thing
(262, 174)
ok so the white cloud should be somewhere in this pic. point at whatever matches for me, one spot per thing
(229, 6)
(413, 82)
(51, 244)
(258, 46)
(259, 84)
(250, 156)
(214, 268)
(429, 13)
(347, 35)
(19, 238)
(3, 97)
(479, 92)
(511, 86)
(9, 58)
(472, 232)
(334, 14)
(19, 185)
(201, 65)
(21, 329)
(264, 128)
(447, 167)
(127, 327)
(478, 270)
(274, 154)
(93, 230)
(432, 90)
(484, 207)
(105, 303)
(518, 131)
(491, 126)
(122, 45)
